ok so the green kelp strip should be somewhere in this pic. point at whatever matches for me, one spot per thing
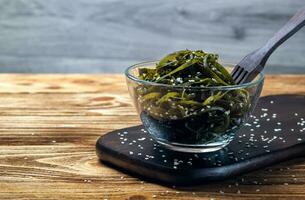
(202, 110)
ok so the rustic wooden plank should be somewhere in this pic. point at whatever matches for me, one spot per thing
(14, 83)
(106, 36)
(49, 125)
(108, 84)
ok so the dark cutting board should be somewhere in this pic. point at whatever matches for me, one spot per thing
(275, 132)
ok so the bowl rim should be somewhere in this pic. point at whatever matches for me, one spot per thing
(127, 73)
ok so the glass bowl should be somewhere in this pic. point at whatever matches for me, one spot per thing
(207, 121)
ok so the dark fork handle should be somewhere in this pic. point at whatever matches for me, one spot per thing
(255, 62)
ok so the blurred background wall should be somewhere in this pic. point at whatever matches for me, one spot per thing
(94, 36)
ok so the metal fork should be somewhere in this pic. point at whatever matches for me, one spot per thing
(252, 64)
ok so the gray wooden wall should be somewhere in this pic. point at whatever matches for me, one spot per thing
(92, 36)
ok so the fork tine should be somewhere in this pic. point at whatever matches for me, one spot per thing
(237, 73)
(236, 68)
(244, 80)
(241, 77)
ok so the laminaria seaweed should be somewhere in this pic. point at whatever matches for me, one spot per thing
(187, 102)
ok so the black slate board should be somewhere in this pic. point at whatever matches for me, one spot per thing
(265, 140)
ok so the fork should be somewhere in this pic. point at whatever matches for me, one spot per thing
(252, 64)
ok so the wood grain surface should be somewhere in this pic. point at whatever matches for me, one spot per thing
(49, 125)
(108, 35)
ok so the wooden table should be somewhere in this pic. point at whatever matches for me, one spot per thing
(49, 125)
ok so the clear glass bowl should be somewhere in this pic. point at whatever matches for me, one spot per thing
(197, 125)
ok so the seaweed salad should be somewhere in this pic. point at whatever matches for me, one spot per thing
(186, 105)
